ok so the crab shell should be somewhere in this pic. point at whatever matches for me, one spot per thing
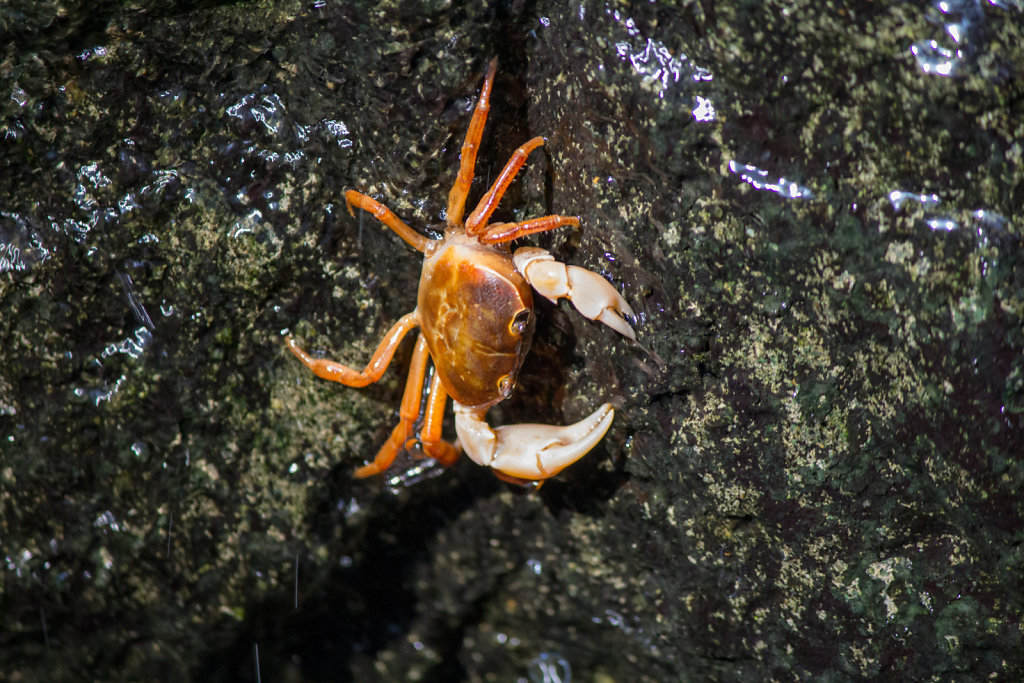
(476, 312)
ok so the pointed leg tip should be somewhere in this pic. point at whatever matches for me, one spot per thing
(366, 471)
(296, 350)
(349, 195)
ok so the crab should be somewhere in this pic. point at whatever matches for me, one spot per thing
(475, 317)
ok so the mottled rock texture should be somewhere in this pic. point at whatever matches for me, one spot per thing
(817, 465)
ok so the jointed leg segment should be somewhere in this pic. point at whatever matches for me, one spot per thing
(407, 414)
(387, 217)
(467, 165)
(477, 221)
(433, 418)
(336, 372)
(496, 233)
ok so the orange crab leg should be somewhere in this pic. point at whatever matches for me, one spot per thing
(460, 189)
(336, 372)
(430, 433)
(387, 217)
(477, 221)
(497, 233)
(407, 414)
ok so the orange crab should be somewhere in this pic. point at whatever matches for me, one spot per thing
(475, 314)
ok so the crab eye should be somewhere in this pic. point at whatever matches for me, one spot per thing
(520, 322)
(505, 385)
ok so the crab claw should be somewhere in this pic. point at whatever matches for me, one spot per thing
(590, 293)
(529, 451)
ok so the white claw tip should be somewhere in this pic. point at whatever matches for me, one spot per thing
(530, 451)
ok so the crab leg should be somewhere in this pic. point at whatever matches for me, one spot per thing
(460, 189)
(336, 372)
(477, 221)
(407, 414)
(496, 233)
(529, 452)
(590, 293)
(387, 217)
(430, 433)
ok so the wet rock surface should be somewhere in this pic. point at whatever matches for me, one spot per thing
(816, 465)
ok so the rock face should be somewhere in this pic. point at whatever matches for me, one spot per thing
(816, 467)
